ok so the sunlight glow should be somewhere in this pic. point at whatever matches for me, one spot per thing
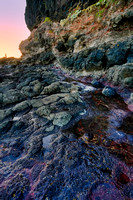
(12, 27)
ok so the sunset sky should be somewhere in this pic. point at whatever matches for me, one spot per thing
(12, 27)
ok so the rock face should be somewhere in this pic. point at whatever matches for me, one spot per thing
(37, 10)
(97, 38)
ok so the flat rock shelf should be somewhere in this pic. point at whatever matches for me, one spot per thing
(63, 137)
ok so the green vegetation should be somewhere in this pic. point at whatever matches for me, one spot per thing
(101, 3)
(47, 19)
(71, 17)
(99, 14)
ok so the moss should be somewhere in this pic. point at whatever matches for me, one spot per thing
(100, 13)
(71, 17)
(47, 19)
(101, 2)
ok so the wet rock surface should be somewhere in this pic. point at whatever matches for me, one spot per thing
(61, 138)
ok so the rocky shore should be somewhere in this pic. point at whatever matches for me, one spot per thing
(62, 137)
(66, 108)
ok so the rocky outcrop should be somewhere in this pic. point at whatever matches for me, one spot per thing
(62, 137)
(92, 39)
(37, 10)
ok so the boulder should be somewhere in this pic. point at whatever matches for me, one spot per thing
(97, 84)
(108, 91)
(117, 55)
(121, 74)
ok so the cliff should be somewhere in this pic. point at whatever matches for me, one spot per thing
(91, 38)
(37, 10)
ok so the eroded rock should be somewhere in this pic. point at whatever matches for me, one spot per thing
(62, 118)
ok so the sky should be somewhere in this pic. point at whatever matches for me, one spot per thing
(12, 27)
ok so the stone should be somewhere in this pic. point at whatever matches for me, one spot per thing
(49, 129)
(60, 46)
(97, 84)
(18, 125)
(56, 87)
(62, 118)
(33, 89)
(12, 96)
(71, 98)
(108, 91)
(46, 58)
(5, 126)
(117, 54)
(51, 89)
(117, 74)
(24, 83)
(44, 111)
(21, 106)
(36, 103)
(47, 141)
(5, 113)
(95, 60)
(128, 81)
(51, 99)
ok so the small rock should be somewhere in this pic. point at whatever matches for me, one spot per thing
(5, 126)
(109, 92)
(62, 118)
(56, 87)
(33, 89)
(128, 81)
(44, 111)
(60, 46)
(50, 99)
(46, 141)
(18, 125)
(5, 113)
(51, 89)
(46, 57)
(51, 128)
(97, 84)
(36, 103)
(71, 98)
(21, 106)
